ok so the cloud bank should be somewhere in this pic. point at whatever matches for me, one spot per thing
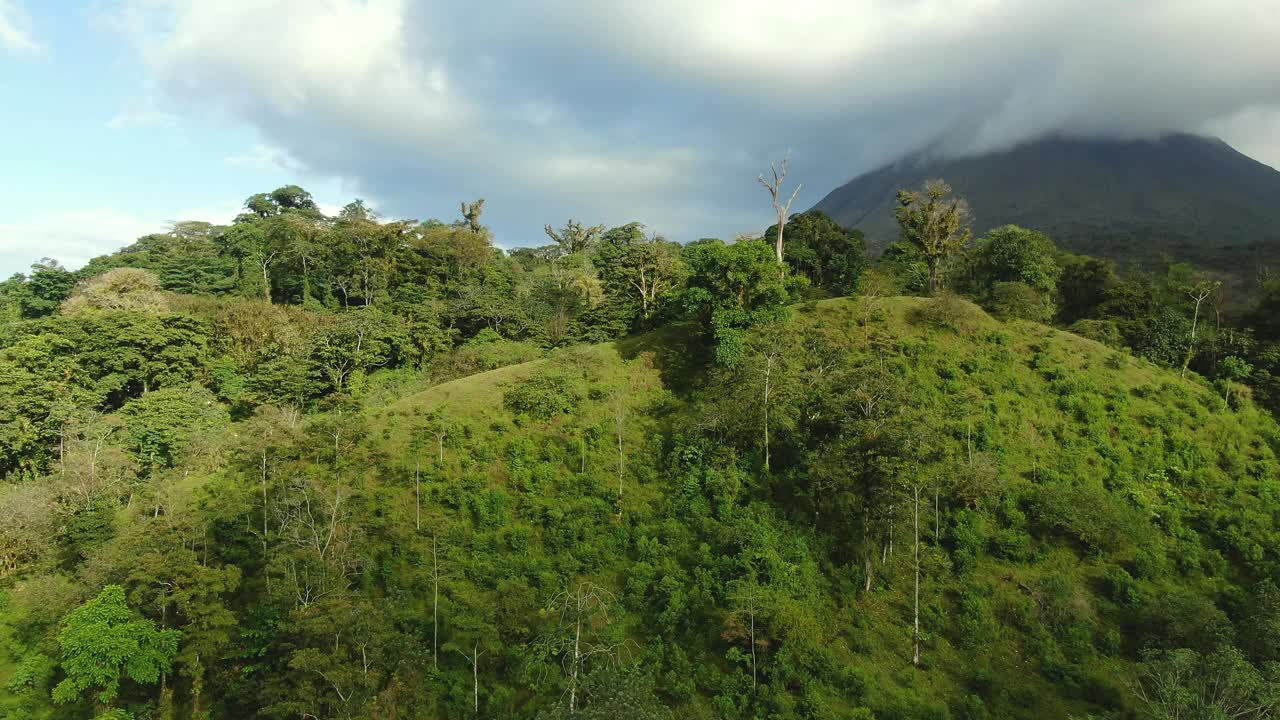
(664, 111)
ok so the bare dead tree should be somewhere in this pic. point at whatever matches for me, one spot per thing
(915, 489)
(783, 209)
(580, 610)
(619, 422)
(435, 604)
(748, 604)
(474, 659)
(1198, 293)
(770, 361)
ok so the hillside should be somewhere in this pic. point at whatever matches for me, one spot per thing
(1187, 196)
(1073, 505)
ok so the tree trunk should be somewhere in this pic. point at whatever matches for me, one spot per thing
(577, 639)
(475, 678)
(306, 282)
(266, 282)
(435, 604)
(1191, 345)
(915, 659)
(768, 388)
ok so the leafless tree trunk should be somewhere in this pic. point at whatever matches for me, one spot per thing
(578, 609)
(769, 361)
(775, 191)
(264, 262)
(474, 658)
(265, 512)
(1199, 294)
(915, 659)
(619, 421)
(435, 603)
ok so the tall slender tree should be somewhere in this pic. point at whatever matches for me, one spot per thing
(783, 209)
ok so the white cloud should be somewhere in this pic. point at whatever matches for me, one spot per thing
(73, 237)
(665, 110)
(15, 28)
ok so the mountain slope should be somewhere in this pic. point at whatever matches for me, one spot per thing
(1073, 505)
(1181, 194)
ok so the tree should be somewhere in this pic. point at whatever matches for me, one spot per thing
(471, 215)
(364, 253)
(250, 240)
(637, 270)
(162, 424)
(1015, 254)
(304, 238)
(118, 289)
(362, 339)
(583, 612)
(934, 224)
(730, 289)
(1198, 292)
(102, 642)
(782, 209)
(574, 237)
(1179, 684)
(832, 257)
(45, 288)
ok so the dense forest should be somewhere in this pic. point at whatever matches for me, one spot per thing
(309, 467)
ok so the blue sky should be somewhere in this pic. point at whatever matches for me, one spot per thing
(121, 116)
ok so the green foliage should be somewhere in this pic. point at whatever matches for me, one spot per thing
(949, 312)
(162, 424)
(45, 288)
(103, 642)
(1012, 254)
(1019, 301)
(832, 257)
(118, 289)
(351, 477)
(935, 225)
(732, 288)
(543, 395)
(1184, 684)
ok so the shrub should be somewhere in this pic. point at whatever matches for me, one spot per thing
(1103, 331)
(948, 312)
(1017, 300)
(543, 396)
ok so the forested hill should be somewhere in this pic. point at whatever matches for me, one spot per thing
(314, 467)
(1191, 197)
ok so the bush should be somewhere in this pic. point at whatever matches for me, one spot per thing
(543, 396)
(488, 351)
(1020, 301)
(1103, 331)
(948, 312)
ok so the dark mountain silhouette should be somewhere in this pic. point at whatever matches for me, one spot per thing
(1188, 196)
